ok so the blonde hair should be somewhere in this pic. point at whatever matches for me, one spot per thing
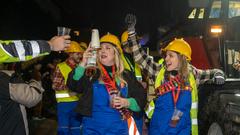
(118, 62)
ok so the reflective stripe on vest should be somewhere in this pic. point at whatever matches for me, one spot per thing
(132, 127)
(194, 95)
(137, 68)
(63, 95)
(150, 109)
(194, 107)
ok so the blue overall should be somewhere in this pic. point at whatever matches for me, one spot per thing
(104, 120)
(68, 121)
(164, 108)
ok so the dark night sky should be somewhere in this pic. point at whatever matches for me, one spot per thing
(38, 19)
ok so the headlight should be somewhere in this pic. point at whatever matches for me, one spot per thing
(216, 29)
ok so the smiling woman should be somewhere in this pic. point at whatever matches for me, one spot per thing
(106, 54)
(176, 82)
(111, 95)
(110, 45)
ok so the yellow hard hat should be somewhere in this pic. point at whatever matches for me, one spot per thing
(74, 47)
(180, 46)
(83, 45)
(124, 37)
(112, 39)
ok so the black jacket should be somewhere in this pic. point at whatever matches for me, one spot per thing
(84, 86)
(15, 94)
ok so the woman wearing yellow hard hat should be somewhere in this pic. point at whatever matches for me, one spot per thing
(109, 96)
(176, 82)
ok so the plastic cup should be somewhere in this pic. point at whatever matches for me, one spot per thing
(113, 94)
(63, 31)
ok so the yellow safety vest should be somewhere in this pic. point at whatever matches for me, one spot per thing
(194, 93)
(63, 95)
(160, 61)
(137, 68)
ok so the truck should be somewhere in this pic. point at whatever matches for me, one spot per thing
(212, 28)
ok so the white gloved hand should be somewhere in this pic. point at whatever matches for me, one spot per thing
(219, 78)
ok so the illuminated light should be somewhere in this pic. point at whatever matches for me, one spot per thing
(216, 29)
(238, 94)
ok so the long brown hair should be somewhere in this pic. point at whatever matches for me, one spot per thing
(183, 67)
